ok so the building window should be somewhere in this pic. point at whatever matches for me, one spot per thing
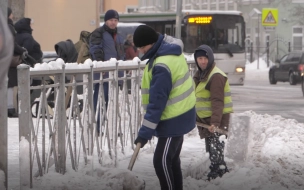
(297, 1)
(297, 37)
(131, 9)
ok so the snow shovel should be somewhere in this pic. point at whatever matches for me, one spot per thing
(132, 161)
(218, 130)
(237, 143)
(134, 156)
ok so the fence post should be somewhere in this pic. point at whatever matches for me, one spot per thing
(267, 53)
(289, 47)
(251, 52)
(25, 135)
(60, 121)
(3, 131)
(92, 122)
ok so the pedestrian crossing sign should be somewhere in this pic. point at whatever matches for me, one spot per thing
(270, 17)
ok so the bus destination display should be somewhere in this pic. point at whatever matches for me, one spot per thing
(200, 20)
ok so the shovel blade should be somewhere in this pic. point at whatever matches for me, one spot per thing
(237, 143)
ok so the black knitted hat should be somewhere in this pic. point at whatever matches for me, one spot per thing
(111, 14)
(200, 53)
(144, 35)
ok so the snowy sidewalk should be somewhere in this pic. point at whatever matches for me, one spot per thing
(275, 161)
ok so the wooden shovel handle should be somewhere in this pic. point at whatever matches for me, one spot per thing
(218, 130)
(134, 156)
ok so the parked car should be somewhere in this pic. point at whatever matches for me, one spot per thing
(302, 82)
(288, 68)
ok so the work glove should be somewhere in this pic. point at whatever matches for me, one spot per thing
(140, 140)
(24, 54)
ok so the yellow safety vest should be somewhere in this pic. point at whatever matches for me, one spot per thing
(182, 97)
(203, 103)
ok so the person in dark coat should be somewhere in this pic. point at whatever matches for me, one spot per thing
(66, 51)
(25, 39)
(106, 43)
(19, 53)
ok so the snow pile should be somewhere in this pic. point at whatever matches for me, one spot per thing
(275, 158)
(252, 73)
(106, 179)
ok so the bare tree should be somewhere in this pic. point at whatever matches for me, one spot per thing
(17, 7)
(297, 15)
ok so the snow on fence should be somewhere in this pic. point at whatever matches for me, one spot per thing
(60, 126)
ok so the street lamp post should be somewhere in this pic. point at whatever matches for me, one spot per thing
(251, 14)
(178, 23)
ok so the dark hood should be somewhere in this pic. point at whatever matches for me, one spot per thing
(23, 26)
(66, 51)
(165, 45)
(210, 56)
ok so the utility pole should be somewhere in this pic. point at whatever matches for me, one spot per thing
(3, 5)
(178, 24)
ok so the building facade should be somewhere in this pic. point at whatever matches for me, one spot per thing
(58, 20)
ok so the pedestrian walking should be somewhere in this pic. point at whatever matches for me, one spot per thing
(105, 43)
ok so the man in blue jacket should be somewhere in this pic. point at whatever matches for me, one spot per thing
(168, 100)
(105, 43)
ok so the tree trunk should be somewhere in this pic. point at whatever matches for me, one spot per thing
(3, 5)
(17, 7)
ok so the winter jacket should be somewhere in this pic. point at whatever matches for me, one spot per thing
(161, 91)
(25, 39)
(130, 51)
(17, 49)
(216, 86)
(82, 47)
(6, 47)
(105, 44)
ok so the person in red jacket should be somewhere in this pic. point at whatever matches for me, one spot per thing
(130, 49)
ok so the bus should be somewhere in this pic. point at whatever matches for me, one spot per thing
(223, 31)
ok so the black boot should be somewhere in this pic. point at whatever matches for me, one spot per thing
(222, 170)
(12, 113)
(213, 172)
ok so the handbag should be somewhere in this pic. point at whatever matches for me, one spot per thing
(16, 60)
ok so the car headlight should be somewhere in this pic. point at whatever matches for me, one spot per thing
(240, 69)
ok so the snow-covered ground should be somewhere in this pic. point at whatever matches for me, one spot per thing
(275, 159)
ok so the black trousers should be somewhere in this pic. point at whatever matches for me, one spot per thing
(167, 163)
(216, 151)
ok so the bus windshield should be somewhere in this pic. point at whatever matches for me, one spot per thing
(223, 33)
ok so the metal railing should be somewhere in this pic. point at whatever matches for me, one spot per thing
(63, 131)
(66, 132)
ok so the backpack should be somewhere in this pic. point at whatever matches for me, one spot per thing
(83, 46)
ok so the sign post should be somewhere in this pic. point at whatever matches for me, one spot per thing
(270, 18)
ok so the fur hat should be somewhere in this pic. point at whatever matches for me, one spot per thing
(9, 11)
(144, 35)
(130, 38)
(111, 14)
